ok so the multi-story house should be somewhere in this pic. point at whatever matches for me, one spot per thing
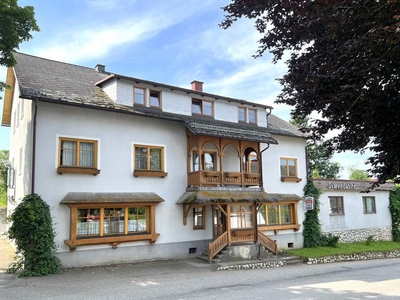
(137, 170)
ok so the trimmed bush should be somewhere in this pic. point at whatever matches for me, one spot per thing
(34, 235)
(312, 233)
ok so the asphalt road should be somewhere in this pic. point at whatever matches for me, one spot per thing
(190, 279)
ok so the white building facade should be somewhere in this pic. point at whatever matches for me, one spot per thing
(137, 170)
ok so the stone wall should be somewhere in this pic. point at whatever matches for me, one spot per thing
(354, 257)
(361, 235)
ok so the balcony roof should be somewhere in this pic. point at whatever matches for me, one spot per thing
(233, 195)
(75, 198)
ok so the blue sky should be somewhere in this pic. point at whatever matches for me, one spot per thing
(173, 42)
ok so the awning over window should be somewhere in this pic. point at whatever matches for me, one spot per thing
(228, 196)
(231, 131)
(111, 197)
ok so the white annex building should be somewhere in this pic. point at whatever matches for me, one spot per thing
(139, 170)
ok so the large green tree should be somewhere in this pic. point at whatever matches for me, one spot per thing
(319, 159)
(16, 24)
(344, 64)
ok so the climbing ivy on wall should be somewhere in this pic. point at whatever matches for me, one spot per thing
(312, 233)
(32, 230)
(394, 207)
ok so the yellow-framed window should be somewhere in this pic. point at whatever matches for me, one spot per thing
(149, 158)
(77, 153)
(106, 221)
(288, 167)
(276, 214)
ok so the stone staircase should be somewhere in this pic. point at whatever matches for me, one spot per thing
(237, 253)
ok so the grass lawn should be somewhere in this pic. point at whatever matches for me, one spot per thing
(345, 249)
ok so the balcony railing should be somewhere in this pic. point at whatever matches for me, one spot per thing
(216, 178)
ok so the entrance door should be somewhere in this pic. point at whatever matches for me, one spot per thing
(219, 221)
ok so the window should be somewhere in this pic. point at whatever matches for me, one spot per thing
(242, 114)
(369, 205)
(202, 107)
(289, 169)
(277, 214)
(77, 156)
(155, 99)
(208, 159)
(149, 161)
(241, 216)
(336, 206)
(199, 217)
(139, 95)
(252, 115)
(111, 221)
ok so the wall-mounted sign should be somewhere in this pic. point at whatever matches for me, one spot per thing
(308, 203)
(341, 186)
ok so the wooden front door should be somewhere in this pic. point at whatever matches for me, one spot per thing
(219, 220)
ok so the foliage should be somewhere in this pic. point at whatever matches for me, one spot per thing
(318, 158)
(394, 207)
(33, 233)
(369, 240)
(357, 174)
(330, 240)
(15, 27)
(312, 227)
(343, 67)
(4, 154)
(320, 164)
(345, 249)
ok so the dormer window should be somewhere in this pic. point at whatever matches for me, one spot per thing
(247, 115)
(252, 116)
(155, 99)
(202, 107)
(242, 114)
(139, 94)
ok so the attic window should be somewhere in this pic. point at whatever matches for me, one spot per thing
(155, 99)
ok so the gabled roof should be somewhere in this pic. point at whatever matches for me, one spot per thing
(59, 82)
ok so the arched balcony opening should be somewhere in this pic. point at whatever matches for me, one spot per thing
(231, 166)
(251, 167)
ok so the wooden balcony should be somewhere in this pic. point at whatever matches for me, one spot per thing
(216, 178)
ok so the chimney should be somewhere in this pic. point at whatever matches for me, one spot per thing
(100, 68)
(197, 85)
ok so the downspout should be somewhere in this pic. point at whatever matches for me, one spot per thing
(262, 187)
(34, 148)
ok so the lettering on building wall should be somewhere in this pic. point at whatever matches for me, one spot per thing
(341, 186)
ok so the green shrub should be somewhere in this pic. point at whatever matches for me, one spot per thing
(330, 240)
(311, 226)
(369, 240)
(33, 233)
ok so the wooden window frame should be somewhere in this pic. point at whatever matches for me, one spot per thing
(286, 177)
(365, 205)
(279, 226)
(255, 115)
(159, 99)
(144, 95)
(202, 108)
(74, 240)
(148, 172)
(244, 114)
(337, 199)
(203, 216)
(78, 169)
(240, 216)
